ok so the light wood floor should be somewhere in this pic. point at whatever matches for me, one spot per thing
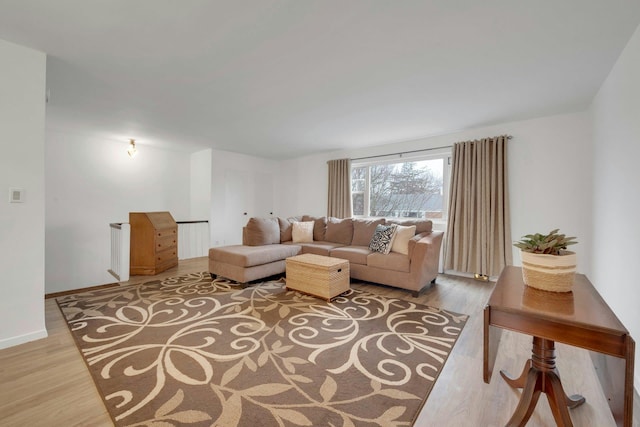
(46, 383)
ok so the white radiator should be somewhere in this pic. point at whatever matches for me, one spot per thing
(193, 239)
(120, 237)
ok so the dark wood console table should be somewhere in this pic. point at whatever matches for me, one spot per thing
(580, 318)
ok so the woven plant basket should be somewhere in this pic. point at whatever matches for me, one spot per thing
(551, 302)
(553, 273)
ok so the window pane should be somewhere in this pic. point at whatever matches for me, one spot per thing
(359, 173)
(357, 185)
(407, 189)
(358, 203)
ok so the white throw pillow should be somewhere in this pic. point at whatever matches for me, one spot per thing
(302, 232)
(401, 240)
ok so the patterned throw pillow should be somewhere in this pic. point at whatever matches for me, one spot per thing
(383, 238)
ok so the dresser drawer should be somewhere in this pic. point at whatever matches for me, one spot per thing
(169, 232)
(168, 242)
(167, 255)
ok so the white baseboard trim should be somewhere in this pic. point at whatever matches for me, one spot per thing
(21, 339)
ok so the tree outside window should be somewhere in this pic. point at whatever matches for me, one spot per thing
(412, 189)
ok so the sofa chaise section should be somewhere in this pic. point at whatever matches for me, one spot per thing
(248, 263)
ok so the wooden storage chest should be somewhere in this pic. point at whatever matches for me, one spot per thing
(318, 275)
(154, 242)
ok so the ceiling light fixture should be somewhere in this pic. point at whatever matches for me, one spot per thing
(132, 151)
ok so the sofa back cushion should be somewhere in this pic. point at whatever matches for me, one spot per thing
(286, 227)
(363, 230)
(422, 225)
(319, 227)
(261, 231)
(339, 230)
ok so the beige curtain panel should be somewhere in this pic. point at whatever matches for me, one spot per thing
(339, 201)
(479, 227)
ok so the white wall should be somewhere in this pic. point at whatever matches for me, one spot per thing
(22, 122)
(241, 187)
(303, 183)
(549, 175)
(616, 203)
(200, 173)
(91, 182)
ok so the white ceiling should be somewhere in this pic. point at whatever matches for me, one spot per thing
(282, 79)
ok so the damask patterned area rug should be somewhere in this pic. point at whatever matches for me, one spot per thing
(199, 352)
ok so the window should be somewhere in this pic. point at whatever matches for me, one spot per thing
(413, 188)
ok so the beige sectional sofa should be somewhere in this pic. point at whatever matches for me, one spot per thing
(411, 262)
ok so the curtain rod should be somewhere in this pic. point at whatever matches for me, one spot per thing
(410, 152)
(404, 152)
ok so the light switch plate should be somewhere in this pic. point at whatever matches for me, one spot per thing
(16, 195)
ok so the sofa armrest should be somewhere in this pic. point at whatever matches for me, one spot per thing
(425, 257)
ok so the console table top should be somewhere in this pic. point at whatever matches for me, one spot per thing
(582, 307)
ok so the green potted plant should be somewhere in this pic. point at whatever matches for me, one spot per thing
(546, 262)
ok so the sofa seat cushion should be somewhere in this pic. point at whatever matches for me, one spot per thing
(392, 261)
(318, 248)
(249, 256)
(353, 254)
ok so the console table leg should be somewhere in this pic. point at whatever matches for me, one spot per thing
(574, 400)
(528, 399)
(558, 400)
(540, 375)
(520, 381)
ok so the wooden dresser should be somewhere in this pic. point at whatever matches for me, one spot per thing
(154, 242)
